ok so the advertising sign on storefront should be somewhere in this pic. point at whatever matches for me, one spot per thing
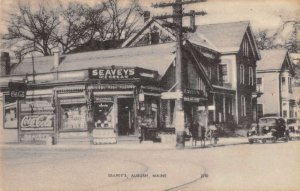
(17, 90)
(36, 115)
(112, 73)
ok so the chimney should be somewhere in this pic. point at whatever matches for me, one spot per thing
(146, 16)
(5, 64)
(192, 20)
(56, 54)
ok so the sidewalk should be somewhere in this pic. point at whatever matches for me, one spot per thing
(123, 146)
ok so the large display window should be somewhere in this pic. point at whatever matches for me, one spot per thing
(103, 112)
(73, 114)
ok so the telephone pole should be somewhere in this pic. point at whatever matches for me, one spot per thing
(179, 29)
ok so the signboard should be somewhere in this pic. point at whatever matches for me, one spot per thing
(122, 73)
(191, 99)
(171, 95)
(17, 90)
(36, 115)
(112, 73)
(211, 107)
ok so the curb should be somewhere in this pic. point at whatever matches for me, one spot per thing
(138, 146)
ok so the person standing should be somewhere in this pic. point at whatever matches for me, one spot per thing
(90, 126)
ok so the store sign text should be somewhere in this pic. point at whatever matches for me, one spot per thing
(117, 73)
(36, 121)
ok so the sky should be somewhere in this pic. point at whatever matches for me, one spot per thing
(263, 14)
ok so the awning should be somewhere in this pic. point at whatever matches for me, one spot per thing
(222, 90)
(71, 88)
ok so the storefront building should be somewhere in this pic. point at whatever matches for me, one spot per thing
(122, 89)
(131, 90)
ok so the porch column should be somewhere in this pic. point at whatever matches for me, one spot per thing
(214, 105)
(224, 108)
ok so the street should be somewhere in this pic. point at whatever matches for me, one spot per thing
(231, 167)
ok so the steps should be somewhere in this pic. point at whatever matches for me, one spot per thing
(74, 138)
(131, 139)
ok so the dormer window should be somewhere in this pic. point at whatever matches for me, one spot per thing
(154, 37)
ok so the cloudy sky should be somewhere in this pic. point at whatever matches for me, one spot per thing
(263, 14)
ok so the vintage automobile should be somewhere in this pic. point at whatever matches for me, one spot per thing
(269, 129)
(293, 125)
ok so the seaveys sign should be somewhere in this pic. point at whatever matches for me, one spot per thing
(112, 73)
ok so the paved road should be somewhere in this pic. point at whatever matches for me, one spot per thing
(234, 167)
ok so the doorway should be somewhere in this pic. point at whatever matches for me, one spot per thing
(125, 117)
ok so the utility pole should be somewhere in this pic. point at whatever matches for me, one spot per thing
(177, 26)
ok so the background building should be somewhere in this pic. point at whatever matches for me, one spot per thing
(275, 76)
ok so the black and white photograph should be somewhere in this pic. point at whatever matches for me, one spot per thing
(150, 95)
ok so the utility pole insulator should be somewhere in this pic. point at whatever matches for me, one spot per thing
(162, 5)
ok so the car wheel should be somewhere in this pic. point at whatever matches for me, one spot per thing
(251, 141)
(263, 140)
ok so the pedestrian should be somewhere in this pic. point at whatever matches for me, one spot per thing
(90, 127)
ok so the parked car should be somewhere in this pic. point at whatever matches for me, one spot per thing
(269, 129)
(293, 125)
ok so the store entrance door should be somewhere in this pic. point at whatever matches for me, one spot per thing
(125, 117)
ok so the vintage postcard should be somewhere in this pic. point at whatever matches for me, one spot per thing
(150, 95)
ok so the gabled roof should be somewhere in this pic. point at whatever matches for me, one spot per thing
(159, 23)
(273, 60)
(221, 37)
(154, 57)
(226, 37)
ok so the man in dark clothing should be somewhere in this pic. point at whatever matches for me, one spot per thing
(90, 127)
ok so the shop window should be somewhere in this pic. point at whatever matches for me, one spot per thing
(10, 114)
(103, 113)
(73, 116)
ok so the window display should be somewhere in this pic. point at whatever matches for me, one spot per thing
(74, 116)
(103, 112)
(10, 116)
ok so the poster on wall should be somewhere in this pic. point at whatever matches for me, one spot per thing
(103, 112)
(36, 115)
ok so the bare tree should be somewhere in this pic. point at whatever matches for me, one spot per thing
(286, 35)
(79, 24)
(69, 27)
(31, 31)
(123, 20)
(264, 41)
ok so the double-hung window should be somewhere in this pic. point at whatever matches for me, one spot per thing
(242, 74)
